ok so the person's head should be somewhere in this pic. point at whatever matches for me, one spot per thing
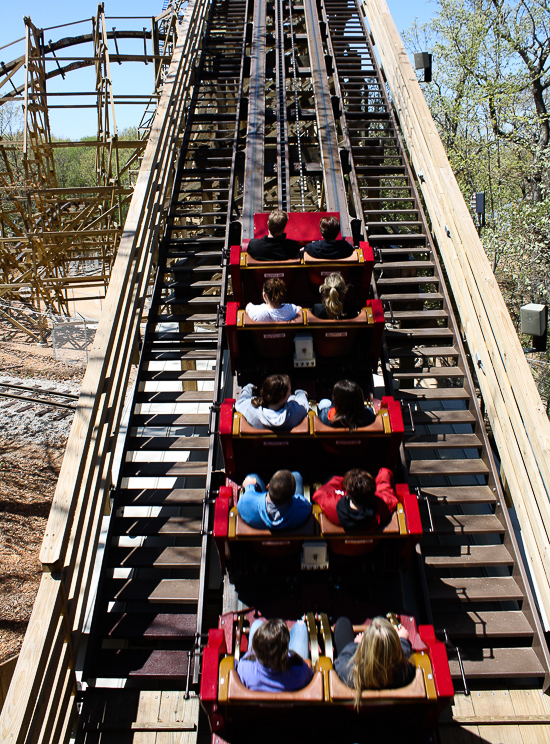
(360, 487)
(333, 290)
(274, 393)
(270, 645)
(349, 402)
(274, 291)
(329, 227)
(276, 222)
(282, 487)
(378, 657)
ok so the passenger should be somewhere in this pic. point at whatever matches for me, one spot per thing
(347, 408)
(357, 500)
(274, 246)
(274, 407)
(329, 248)
(275, 659)
(273, 309)
(280, 506)
(334, 305)
(374, 660)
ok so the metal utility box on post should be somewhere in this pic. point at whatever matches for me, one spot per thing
(534, 322)
(423, 61)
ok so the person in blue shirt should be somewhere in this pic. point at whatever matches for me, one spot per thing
(329, 248)
(275, 660)
(280, 506)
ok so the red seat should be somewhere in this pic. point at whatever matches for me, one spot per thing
(403, 531)
(234, 538)
(311, 444)
(301, 226)
(326, 700)
(302, 276)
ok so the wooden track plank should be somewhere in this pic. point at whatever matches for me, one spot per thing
(159, 496)
(149, 626)
(435, 394)
(443, 441)
(469, 524)
(174, 710)
(479, 589)
(168, 469)
(483, 624)
(461, 416)
(134, 526)
(170, 419)
(472, 466)
(166, 591)
(163, 444)
(187, 396)
(468, 556)
(141, 557)
(148, 710)
(460, 494)
(487, 703)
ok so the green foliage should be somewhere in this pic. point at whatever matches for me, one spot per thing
(82, 166)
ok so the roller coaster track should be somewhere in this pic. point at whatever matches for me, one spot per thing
(160, 587)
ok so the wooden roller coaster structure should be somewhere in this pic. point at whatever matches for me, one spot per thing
(284, 105)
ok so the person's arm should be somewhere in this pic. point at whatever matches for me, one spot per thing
(343, 665)
(328, 496)
(301, 397)
(246, 394)
(385, 497)
(249, 505)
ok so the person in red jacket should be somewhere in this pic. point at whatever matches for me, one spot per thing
(357, 500)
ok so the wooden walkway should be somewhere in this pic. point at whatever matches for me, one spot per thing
(497, 716)
(139, 717)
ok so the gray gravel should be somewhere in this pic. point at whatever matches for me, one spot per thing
(37, 424)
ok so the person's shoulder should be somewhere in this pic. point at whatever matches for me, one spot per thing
(314, 245)
(257, 247)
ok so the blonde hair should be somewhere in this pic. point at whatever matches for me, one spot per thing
(333, 291)
(378, 658)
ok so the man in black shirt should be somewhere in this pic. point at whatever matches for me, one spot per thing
(329, 248)
(274, 246)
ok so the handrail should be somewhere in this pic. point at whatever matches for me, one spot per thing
(40, 704)
(518, 418)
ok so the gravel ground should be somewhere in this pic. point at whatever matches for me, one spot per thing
(32, 445)
(39, 424)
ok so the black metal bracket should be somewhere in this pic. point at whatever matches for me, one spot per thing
(457, 650)
(387, 304)
(421, 497)
(220, 315)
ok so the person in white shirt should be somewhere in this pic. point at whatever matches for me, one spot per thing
(273, 308)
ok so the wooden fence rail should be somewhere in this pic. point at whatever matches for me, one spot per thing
(516, 412)
(40, 702)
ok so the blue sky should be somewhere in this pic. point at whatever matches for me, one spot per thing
(127, 78)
